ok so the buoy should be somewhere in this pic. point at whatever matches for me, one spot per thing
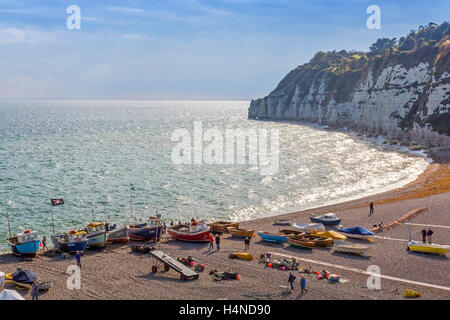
(269, 265)
(27, 231)
(238, 277)
(191, 263)
(283, 268)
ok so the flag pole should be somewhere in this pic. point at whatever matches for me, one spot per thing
(131, 203)
(9, 226)
(53, 224)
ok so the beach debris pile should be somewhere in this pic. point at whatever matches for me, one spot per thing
(382, 227)
(285, 264)
(187, 261)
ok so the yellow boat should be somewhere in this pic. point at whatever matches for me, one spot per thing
(241, 255)
(417, 246)
(221, 226)
(240, 233)
(412, 294)
(329, 234)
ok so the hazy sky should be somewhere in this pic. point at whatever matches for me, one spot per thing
(175, 49)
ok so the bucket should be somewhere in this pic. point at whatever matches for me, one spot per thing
(2, 281)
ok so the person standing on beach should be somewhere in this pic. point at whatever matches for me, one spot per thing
(303, 284)
(291, 280)
(34, 291)
(424, 235)
(371, 209)
(44, 243)
(211, 242)
(247, 243)
(429, 234)
(78, 258)
(218, 242)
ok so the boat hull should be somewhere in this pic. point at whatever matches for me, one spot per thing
(119, 235)
(202, 236)
(240, 233)
(222, 226)
(274, 238)
(353, 249)
(301, 244)
(428, 248)
(70, 247)
(98, 240)
(25, 249)
(308, 228)
(325, 222)
(146, 233)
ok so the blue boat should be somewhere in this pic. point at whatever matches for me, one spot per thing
(97, 235)
(25, 244)
(357, 233)
(328, 219)
(271, 237)
(70, 242)
(146, 231)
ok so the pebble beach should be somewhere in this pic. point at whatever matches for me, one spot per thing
(119, 273)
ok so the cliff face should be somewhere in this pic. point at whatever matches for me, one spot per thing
(400, 91)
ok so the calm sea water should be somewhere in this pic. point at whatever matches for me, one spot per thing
(88, 152)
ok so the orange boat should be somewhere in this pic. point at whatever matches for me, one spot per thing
(240, 233)
(221, 226)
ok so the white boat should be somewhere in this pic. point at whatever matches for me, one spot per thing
(309, 227)
(347, 247)
(279, 222)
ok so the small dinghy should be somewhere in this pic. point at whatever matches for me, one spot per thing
(353, 248)
(330, 234)
(240, 233)
(291, 233)
(221, 226)
(309, 227)
(320, 241)
(272, 237)
(301, 242)
(357, 233)
(328, 219)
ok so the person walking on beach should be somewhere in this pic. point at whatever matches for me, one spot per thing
(371, 209)
(34, 291)
(424, 235)
(247, 243)
(218, 242)
(429, 234)
(78, 258)
(291, 280)
(211, 242)
(303, 284)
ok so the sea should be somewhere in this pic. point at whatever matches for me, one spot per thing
(90, 152)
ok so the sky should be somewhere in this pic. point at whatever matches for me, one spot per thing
(183, 49)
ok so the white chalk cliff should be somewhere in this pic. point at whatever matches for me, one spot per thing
(400, 91)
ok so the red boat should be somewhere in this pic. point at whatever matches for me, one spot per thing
(195, 232)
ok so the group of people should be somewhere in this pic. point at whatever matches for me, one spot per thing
(426, 234)
(291, 281)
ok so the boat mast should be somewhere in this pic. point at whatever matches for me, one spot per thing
(53, 223)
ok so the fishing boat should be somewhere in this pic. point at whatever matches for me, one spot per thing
(309, 227)
(301, 242)
(330, 234)
(357, 233)
(97, 235)
(290, 233)
(240, 233)
(25, 244)
(72, 241)
(319, 240)
(272, 237)
(221, 226)
(328, 219)
(118, 235)
(417, 246)
(145, 231)
(279, 222)
(198, 232)
(353, 248)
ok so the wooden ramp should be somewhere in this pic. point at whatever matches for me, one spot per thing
(169, 262)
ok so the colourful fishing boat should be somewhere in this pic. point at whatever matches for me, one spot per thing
(240, 233)
(272, 237)
(290, 233)
(320, 241)
(25, 244)
(146, 231)
(97, 235)
(197, 232)
(72, 241)
(301, 242)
